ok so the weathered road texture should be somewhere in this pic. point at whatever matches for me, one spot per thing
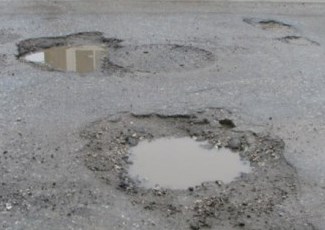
(267, 71)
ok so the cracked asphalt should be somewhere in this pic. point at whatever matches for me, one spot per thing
(270, 78)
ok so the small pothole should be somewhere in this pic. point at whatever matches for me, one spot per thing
(269, 24)
(298, 40)
(180, 163)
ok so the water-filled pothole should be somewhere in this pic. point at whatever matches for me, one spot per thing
(249, 198)
(179, 163)
(81, 59)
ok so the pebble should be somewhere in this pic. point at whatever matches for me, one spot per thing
(234, 143)
(132, 141)
(227, 123)
(8, 206)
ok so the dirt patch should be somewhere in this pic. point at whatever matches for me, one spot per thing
(298, 40)
(269, 24)
(252, 201)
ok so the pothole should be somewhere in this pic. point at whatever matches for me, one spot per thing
(91, 51)
(82, 52)
(180, 163)
(162, 58)
(253, 192)
(298, 40)
(269, 24)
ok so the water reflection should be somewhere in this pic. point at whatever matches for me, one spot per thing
(81, 59)
(179, 163)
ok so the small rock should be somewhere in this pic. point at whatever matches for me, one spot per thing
(114, 118)
(8, 206)
(234, 143)
(227, 123)
(194, 226)
(132, 141)
(123, 185)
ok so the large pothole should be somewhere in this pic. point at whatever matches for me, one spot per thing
(252, 198)
(91, 51)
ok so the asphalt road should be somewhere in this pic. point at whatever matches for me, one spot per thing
(268, 84)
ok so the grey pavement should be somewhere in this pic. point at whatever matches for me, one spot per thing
(269, 85)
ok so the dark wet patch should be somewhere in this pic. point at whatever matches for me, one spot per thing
(244, 202)
(269, 24)
(298, 40)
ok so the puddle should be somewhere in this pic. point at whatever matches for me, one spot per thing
(179, 163)
(81, 59)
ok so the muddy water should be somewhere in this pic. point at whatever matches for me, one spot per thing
(81, 59)
(179, 163)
